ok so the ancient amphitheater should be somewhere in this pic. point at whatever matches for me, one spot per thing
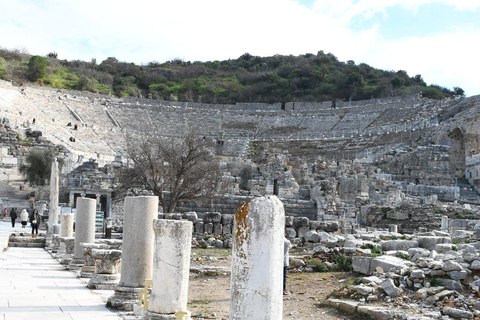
(416, 140)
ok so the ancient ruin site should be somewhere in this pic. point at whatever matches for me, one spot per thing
(379, 199)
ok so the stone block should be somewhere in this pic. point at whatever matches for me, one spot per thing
(190, 216)
(429, 242)
(312, 236)
(199, 227)
(217, 228)
(208, 228)
(451, 266)
(396, 245)
(291, 233)
(288, 221)
(331, 226)
(362, 264)
(390, 289)
(301, 232)
(443, 247)
(212, 217)
(300, 222)
(227, 229)
(227, 219)
(451, 284)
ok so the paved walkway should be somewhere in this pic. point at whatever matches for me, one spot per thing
(33, 285)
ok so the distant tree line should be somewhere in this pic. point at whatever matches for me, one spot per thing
(308, 77)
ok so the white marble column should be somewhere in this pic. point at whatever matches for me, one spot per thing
(171, 266)
(84, 229)
(53, 211)
(137, 250)
(444, 226)
(257, 260)
(66, 231)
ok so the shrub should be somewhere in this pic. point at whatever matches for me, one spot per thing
(344, 262)
(373, 249)
(37, 68)
(435, 282)
(404, 256)
(318, 266)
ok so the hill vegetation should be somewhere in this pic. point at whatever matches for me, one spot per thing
(308, 77)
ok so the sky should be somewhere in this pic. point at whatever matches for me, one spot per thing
(438, 39)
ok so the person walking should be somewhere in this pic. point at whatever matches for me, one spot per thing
(24, 218)
(13, 216)
(35, 222)
(286, 246)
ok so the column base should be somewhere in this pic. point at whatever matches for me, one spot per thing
(76, 264)
(149, 315)
(125, 298)
(87, 271)
(104, 281)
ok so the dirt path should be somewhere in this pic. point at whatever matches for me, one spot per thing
(209, 295)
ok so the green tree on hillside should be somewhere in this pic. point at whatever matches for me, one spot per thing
(37, 167)
(37, 68)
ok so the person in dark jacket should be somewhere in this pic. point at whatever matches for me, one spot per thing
(35, 222)
(13, 216)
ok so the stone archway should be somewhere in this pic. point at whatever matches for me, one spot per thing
(457, 153)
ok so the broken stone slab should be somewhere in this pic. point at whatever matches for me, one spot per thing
(451, 284)
(403, 245)
(390, 289)
(475, 265)
(458, 275)
(443, 247)
(457, 313)
(376, 313)
(364, 290)
(429, 242)
(312, 236)
(348, 306)
(451, 266)
(367, 265)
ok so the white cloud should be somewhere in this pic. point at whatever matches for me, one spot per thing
(144, 31)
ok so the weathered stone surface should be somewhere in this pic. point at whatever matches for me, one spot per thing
(363, 289)
(475, 265)
(443, 247)
(312, 236)
(348, 306)
(451, 284)
(398, 245)
(390, 289)
(376, 313)
(291, 233)
(457, 313)
(430, 242)
(227, 219)
(300, 222)
(362, 264)
(451, 266)
(212, 217)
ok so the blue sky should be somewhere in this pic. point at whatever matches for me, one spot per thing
(435, 38)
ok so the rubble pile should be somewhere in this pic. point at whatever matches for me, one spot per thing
(421, 276)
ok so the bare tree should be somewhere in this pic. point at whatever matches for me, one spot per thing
(174, 169)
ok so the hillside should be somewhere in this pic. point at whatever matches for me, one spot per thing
(308, 77)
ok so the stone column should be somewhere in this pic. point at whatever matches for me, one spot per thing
(393, 228)
(84, 229)
(257, 260)
(53, 212)
(137, 250)
(444, 227)
(171, 266)
(66, 228)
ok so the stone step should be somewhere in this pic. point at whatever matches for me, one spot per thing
(27, 244)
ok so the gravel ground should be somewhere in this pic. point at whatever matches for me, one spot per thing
(209, 295)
